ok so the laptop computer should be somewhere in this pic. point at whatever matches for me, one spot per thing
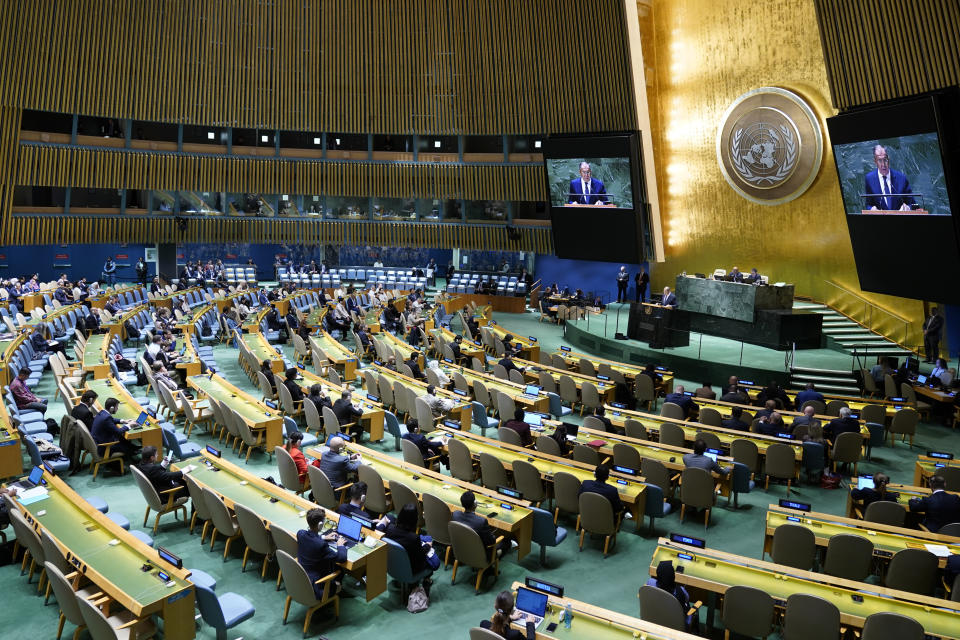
(531, 390)
(33, 480)
(922, 379)
(533, 419)
(712, 454)
(572, 430)
(865, 482)
(533, 603)
(350, 529)
(142, 418)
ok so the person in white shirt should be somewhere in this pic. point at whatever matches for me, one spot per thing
(940, 371)
(378, 264)
(441, 376)
(438, 406)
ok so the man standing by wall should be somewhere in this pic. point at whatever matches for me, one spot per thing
(623, 279)
(932, 328)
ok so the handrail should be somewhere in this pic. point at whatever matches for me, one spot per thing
(871, 316)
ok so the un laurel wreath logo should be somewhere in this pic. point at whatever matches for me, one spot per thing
(769, 145)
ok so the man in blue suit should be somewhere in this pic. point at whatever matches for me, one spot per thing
(587, 189)
(884, 188)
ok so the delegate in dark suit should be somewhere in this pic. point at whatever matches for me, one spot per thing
(336, 466)
(607, 491)
(735, 423)
(941, 508)
(161, 479)
(894, 183)
(669, 300)
(317, 558)
(686, 402)
(840, 425)
(594, 193)
(345, 411)
(82, 413)
(105, 429)
(478, 523)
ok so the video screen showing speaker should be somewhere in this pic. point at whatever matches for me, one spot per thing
(597, 204)
(897, 163)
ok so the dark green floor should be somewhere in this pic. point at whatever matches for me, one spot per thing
(610, 582)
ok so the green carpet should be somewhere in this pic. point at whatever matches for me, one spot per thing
(610, 582)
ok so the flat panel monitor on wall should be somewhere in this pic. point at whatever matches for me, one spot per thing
(898, 165)
(597, 206)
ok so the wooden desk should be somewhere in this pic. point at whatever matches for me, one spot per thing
(314, 319)
(120, 320)
(632, 492)
(32, 301)
(287, 513)
(670, 457)
(174, 299)
(263, 351)
(257, 415)
(396, 344)
(189, 361)
(725, 408)
(373, 416)
(517, 522)
(11, 455)
(531, 372)
(652, 424)
(630, 372)
(529, 349)
(94, 360)
(461, 406)
(540, 402)
(252, 322)
(595, 623)
(84, 536)
(342, 358)
(128, 409)
(926, 467)
(904, 493)
(856, 403)
(887, 540)
(467, 348)
(945, 397)
(714, 572)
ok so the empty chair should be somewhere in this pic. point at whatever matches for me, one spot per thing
(626, 456)
(566, 489)
(200, 511)
(913, 570)
(885, 512)
(712, 439)
(468, 549)
(116, 627)
(510, 436)
(698, 491)
(597, 517)
(781, 463)
(891, 626)
(223, 521)
(672, 434)
(301, 588)
(528, 482)
(951, 476)
(256, 536)
(794, 546)
(904, 423)
(67, 599)
(223, 612)
(849, 556)
(710, 416)
(810, 617)
(833, 407)
(461, 462)
(746, 453)
(656, 473)
(635, 430)
(846, 450)
(747, 611)
(492, 473)
(377, 500)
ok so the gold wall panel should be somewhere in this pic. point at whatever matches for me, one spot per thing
(70, 229)
(109, 169)
(398, 66)
(707, 53)
(881, 49)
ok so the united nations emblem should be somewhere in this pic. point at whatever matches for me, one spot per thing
(769, 145)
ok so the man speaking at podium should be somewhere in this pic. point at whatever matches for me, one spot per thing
(587, 189)
(884, 188)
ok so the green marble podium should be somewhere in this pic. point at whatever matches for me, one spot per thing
(733, 300)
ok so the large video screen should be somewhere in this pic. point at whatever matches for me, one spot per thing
(590, 181)
(897, 164)
(903, 175)
(597, 207)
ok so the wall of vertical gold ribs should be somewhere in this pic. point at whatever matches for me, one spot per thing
(881, 49)
(444, 67)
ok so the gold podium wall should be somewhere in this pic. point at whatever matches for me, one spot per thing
(704, 54)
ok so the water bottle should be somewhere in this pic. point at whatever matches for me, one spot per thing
(567, 616)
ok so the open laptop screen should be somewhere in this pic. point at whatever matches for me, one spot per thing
(532, 390)
(533, 419)
(349, 528)
(530, 601)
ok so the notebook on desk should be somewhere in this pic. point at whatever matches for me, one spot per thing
(533, 603)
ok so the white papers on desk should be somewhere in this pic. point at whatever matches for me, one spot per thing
(30, 496)
(939, 550)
